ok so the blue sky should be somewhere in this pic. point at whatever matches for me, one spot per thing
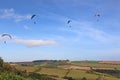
(52, 38)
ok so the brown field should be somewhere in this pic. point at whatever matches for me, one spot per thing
(75, 67)
(84, 67)
(110, 62)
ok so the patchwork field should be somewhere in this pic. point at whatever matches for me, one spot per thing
(77, 70)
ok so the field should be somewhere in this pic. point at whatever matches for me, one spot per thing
(95, 64)
(76, 73)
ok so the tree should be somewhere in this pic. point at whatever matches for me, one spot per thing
(1, 62)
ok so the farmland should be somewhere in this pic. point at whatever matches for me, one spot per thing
(95, 64)
(77, 69)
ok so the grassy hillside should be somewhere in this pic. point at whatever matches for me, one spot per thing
(8, 72)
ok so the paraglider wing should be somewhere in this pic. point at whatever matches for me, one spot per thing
(6, 35)
(3, 35)
(69, 21)
(33, 16)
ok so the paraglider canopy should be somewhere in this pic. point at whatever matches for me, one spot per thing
(68, 21)
(33, 16)
(6, 35)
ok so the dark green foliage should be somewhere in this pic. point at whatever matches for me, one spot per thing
(7, 67)
(8, 72)
(115, 73)
(51, 63)
(68, 78)
(38, 76)
(90, 71)
(1, 62)
(84, 78)
(11, 76)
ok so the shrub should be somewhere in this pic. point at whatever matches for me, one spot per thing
(84, 78)
(68, 78)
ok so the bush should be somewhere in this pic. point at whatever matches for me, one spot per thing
(38, 76)
(10, 76)
(68, 78)
(84, 78)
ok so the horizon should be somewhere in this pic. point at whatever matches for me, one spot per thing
(73, 61)
(49, 35)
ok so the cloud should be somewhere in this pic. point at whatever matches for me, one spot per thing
(11, 14)
(34, 43)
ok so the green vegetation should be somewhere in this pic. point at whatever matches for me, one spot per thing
(84, 78)
(1, 62)
(74, 74)
(8, 72)
(115, 73)
(51, 63)
(38, 71)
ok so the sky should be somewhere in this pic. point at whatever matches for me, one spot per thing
(86, 37)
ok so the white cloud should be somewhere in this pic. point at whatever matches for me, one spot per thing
(34, 43)
(28, 42)
(11, 14)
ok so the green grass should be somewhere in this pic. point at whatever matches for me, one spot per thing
(28, 68)
(53, 71)
(77, 74)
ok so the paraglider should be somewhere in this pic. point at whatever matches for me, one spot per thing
(68, 22)
(97, 15)
(6, 35)
(33, 17)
